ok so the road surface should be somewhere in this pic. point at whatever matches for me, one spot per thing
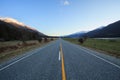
(65, 62)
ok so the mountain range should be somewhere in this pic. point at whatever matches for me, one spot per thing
(11, 29)
(110, 31)
(75, 35)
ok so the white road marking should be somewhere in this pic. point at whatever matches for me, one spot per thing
(59, 56)
(102, 59)
(15, 62)
(85, 49)
(19, 60)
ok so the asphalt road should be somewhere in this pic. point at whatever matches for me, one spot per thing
(45, 64)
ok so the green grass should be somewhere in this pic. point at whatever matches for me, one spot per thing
(111, 47)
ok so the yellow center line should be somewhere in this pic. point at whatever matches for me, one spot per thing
(62, 63)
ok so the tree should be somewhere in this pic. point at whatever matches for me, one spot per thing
(81, 40)
(40, 40)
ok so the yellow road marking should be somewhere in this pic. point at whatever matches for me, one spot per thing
(62, 63)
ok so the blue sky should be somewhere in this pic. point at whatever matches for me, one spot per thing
(62, 17)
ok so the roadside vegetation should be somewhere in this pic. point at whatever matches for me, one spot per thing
(111, 47)
(10, 49)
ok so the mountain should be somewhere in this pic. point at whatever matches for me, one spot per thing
(112, 30)
(94, 32)
(76, 35)
(11, 29)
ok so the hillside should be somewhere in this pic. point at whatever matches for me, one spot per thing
(11, 29)
(75, 35)
(110, 31)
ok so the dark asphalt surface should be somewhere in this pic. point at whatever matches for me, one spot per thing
(82, 66)
(44, 64)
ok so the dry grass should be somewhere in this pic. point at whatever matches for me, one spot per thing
(11, 49)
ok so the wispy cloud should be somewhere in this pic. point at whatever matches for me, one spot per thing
(66, 2)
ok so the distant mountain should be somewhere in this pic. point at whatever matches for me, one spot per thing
(11, 29)
(112, 30)
(76, 35)
(94, 32)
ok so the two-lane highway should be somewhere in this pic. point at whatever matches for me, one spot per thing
(65, 62)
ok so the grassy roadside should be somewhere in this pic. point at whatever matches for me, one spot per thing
(111, 47)
(12, 49)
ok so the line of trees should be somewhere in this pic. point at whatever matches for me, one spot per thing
(9, 32)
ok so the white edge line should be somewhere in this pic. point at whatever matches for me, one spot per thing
(84, 49)
(15, 62)
(59, 56)
(103, 59)
(19, 60)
